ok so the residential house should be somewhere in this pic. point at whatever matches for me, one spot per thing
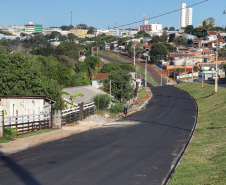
(96, 80)
(88, 91)
(82, 58)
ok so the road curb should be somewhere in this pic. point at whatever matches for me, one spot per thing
(168, 178)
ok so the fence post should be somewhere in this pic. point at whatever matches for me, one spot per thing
(1, 123)
(81, 111)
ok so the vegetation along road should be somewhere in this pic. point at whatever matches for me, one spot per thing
(139, 149)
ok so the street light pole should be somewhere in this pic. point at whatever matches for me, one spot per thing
(174, 74)
(146, 71)
(216, 74)
(134, 56)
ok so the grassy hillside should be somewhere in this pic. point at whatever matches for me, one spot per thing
(205, 159)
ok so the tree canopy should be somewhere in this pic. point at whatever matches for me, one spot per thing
(158, 52)
(121, 84)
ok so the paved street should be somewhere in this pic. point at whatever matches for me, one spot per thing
(139, 149)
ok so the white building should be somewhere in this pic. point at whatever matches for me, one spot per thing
(185, 16)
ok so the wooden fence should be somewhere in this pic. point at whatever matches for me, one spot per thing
(77, 113)
(27, 123)
(31, 123)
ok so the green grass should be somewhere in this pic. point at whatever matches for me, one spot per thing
(142, 93)
(3, 140)
(140, 69)
(114, 56)
(205, 159)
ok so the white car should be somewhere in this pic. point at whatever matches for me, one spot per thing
(213, 77)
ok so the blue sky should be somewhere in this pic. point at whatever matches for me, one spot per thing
(105, 13)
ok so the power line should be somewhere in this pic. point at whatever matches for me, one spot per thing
(164, 14)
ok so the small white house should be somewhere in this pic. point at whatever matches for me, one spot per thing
(82, 58)
(24, 109)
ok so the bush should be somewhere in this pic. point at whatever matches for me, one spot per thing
(128, 67)
(10, 132)
(102, 101)
(116, 108)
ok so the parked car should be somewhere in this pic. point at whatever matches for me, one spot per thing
(213, 77)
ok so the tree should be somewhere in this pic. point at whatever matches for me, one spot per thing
(171, 28)
(222, 53)
(195, 68)
(211, 20)
(68, 49)
(180, 41)
(92, 64)
(178, 71)
(130, 47)
(169, 47)
(91, 30)
(166, 28)
(21, 75)
(121, 84)
(82, 26)
(71, 37)
(158, 52)
(155, 39)
(139, 49)
(164, 36)
(140, 32)
(107, 68)
(189, 29)
(64, 27)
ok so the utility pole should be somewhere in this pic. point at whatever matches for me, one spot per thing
(110, 93)
(168, 77)
(97, 48)
(146, 61)
(174, 74)
(203, 68)
(134, 56)
(185, 68)
(216, 74)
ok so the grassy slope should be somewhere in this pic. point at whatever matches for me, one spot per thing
(205, 159)
(141, 70)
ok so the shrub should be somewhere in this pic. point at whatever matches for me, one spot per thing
(128, 67)
(116, 108)
(102, 101)
(10, 132)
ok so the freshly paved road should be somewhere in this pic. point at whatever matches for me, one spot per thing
(140, 153)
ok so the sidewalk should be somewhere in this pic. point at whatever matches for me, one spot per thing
(91, 122)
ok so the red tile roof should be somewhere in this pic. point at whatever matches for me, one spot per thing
(197, 40)
(215, 41)
(212, 32)
(101, 76)
(147, 47)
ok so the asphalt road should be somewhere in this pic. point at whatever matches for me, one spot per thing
(141, 153)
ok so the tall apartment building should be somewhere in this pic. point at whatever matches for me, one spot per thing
(185, 16)
(33, 28)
